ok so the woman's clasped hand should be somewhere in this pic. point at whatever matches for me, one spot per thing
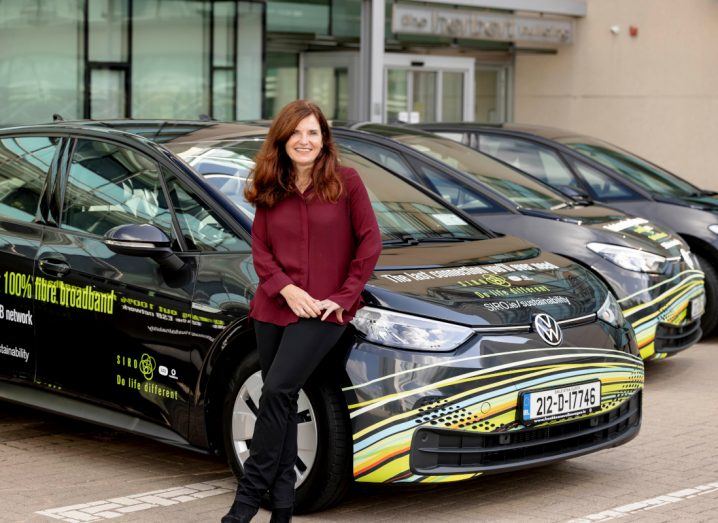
(304, 306)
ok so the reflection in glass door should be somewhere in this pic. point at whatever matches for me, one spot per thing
(490, 88)
(330, 79)
(428, 88)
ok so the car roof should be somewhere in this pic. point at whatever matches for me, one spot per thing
(548, 133)
(159, 131)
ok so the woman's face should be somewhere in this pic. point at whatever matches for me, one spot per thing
(305, 144)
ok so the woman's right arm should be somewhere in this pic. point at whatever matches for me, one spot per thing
(271, 275)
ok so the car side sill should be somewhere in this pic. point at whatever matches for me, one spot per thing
(52, 402)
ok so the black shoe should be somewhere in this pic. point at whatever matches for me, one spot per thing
(281, 515)
(240, 513)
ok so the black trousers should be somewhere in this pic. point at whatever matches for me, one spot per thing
(288, 356)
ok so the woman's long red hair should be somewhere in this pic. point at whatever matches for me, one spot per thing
(273, 176)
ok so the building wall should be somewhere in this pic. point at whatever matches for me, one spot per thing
(655, 94)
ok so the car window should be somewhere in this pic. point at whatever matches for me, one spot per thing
(202, 229)
(110, 185)
(24, 163)
(604, 187)
(455, 191)
(638, 170)
(533, 158)
(383, 156)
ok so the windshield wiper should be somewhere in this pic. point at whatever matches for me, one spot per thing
(408, 239)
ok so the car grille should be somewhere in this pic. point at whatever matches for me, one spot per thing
(437, 451)
(672, 338)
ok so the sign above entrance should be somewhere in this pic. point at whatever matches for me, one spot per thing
(462, 23)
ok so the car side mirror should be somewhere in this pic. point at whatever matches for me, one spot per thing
(143, 240)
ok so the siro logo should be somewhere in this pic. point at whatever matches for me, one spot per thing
(548, 329)
(497, 280)
(147, 366)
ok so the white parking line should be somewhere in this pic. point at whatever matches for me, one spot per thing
(648, 504)
(116, 507)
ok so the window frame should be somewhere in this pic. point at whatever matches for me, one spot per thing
(42, 213)
(166, 165)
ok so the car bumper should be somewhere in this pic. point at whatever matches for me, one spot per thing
(663, 316)
(397, 398)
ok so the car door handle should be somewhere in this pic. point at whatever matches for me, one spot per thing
(53, 267)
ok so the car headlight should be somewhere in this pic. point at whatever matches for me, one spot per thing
(628, 258)
(404, 331)
(713, 228)
(610, 311)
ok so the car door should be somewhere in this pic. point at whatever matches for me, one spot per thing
(25, 162)
(112, 328)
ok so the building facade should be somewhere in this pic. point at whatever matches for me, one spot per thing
(383, 60)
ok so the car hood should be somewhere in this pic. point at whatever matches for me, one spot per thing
(498, 282)
(614, 226)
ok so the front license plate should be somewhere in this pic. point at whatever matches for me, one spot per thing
(551, 404)
(698, 306)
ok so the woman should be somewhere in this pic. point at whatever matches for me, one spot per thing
(315, 242)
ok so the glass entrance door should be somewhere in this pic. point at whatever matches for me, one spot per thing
(428, 88)
(331, 81)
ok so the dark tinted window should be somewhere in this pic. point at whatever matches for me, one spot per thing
(638, 170)
(603, 186)
(455, 191)
(382, 155)
(111, 185)
(24, 163)
(530, 157)
(202, 229)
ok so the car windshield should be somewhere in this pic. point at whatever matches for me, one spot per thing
(641, 172)
(519, 188)
(402, 211)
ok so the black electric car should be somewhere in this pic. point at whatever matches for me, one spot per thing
(653, 274)
(126, 272)
(586, 168)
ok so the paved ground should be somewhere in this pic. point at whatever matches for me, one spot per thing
(668, 473)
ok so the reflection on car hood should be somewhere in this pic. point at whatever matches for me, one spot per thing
(635, 232)
(463, 283)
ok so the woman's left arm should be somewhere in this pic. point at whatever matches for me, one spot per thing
(368, 237)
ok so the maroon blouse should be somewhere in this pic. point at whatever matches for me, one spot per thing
(327, 249)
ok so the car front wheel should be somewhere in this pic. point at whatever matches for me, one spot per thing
(323, 465)
(709, 320)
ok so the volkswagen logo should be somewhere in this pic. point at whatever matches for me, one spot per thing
(548, 329)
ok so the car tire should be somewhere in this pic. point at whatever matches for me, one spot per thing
(709, 320)
(328, 478)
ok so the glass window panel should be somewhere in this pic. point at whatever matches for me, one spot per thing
(223, 33)
(486, 96)
(342, 94)
(223, 95)
(201, 228)
(110, 185)
(424, 99)
(346, 18)
(107, 21)
(396, 93)
(24, 163)
(604, 187)
(320, 87)
(456, 192)
(40, 60)
(299, 16)
(537, 160)
(383, 156)
(281, 82)
(452, 109)
(249, 61)
(107, 94)
(170, 53)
